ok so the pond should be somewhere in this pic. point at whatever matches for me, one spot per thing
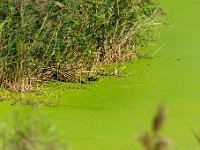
(109, 113)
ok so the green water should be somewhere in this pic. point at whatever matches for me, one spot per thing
(107, 114)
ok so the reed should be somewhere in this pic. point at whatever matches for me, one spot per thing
(66, 40)
(154, 140)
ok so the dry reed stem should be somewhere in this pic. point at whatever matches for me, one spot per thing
(155, 141)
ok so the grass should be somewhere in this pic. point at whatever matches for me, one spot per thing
(70, 39)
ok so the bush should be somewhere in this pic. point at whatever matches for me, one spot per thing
(66, 39)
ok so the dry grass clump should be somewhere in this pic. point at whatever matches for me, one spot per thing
(154, 140)
(4, 96)
(67, 39)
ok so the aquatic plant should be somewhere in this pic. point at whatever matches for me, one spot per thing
(66, 40)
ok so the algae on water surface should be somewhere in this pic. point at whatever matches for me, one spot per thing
(107, 114)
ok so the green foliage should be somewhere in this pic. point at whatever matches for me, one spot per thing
(41, 40)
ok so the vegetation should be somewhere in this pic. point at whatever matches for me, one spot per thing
(25, 130)
(154, 140)
(76, 41)
(69, 40)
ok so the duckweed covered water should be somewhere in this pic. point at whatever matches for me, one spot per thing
(108, 114)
